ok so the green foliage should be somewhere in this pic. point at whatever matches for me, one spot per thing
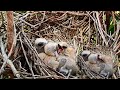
(111, 27)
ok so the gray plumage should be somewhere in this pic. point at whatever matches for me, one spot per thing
(66, 64)
(39, 44)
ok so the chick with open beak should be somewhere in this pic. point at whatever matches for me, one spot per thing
(54, 49)
(61, 47)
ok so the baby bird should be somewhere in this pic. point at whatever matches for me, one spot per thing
(66, 65)
(107, 66)
(63, 44)
(40, 43)
(99, 63)
(92, 63)
(70, 52)
(49, 60)
(93, 67)
(107, 59)
(67, 50)
(93, 58)
(54, 49)
(51, 49)
(85, 54)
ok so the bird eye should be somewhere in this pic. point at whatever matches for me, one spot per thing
(40, 44)
(84, 55)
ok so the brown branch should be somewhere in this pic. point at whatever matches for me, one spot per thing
(10, 30)
(108, 15)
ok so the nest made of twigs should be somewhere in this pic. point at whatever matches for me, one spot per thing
(76, 28)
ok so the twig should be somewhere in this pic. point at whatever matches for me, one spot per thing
(14, 41)
(41, 20)
(69, 74)
(100, 29)
(2, 19)
(117, 53)
(26, 58)
(27, 23)
(6, 59)
(118, 30)
(108, 35)
(119, 71)
(105, 29)
(114, 76)
(74, 13)
(63, 16)
(89, 31)
(117, 46)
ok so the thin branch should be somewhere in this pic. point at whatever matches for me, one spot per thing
(6, 59)
(100, 29)
(26, 57)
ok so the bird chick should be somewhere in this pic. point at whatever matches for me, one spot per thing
(49, 60)
(42, 56)
(91, 62)
(92, 58)
(51, 49)
(67, 50)
(40, 43)
(94, 67)
(67, 64)
(62, 46)
(107, 66)
(105, 58)
(70, 52)
(54, 49)
(106, 70)
(85, 54)
(101, 64)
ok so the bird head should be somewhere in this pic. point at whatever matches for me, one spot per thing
(40, 41)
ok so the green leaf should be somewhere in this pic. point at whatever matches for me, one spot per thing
(111, 28)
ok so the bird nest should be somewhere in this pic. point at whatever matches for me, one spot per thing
(79, 29)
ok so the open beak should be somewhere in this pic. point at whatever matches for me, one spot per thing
(59, 51)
